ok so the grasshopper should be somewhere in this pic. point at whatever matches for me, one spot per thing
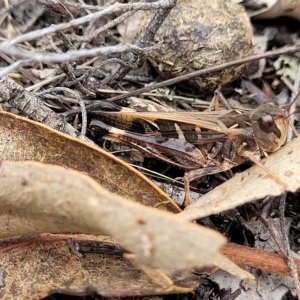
(201, 143)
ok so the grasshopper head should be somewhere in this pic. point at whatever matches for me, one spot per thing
(270, 126)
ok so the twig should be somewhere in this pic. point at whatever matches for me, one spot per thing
(14, 66)
(93, 69)
(168, 82)
(61, 98)
(25, 72)
(293, 104)
(33, 107)
(67, 67)
(258, 258)
(40, 84)
(73, 54)
(108, 25)
(289, 85)
(116, 8)
(288, 254)
(92, 26)
(79, 100)
(143, 41)
(158, 95)
(57, 7)
(51, 79)
(82, 5)
(292, 109)
(271, 231)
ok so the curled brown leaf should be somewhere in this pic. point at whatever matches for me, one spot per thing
(37, 198)
(46, 265)
(22, 139)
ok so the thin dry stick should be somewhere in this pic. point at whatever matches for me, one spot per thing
(143, 41)
(73, 54)
(91, 27)
(40, 84)
(88, 73)
(61, 98)
(292, 109)
(82, 5)
(108, 25)
(178, 79)
(15, 66)
(266, 224)
(193, 74)
(116, 8)
(79, 100)
(23, 71)
(67, 67)
(258, 258)
(286, 245)
(158, 95)
(33, 106)
(46, 81)
(293, 104)
(289, 85)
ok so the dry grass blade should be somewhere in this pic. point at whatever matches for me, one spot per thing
(37, 198)
(22, 139)
(49, 266)
(252, 184)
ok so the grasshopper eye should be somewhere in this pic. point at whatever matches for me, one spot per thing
(266, 123)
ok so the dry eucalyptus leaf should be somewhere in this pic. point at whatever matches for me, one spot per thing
(252, 184)
(22, 139)
(271, 9)
(46, 265)
(37, 198)
(227, 265)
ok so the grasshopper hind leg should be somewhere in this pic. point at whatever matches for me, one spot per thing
(194, 174)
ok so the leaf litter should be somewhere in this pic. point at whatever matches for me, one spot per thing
(160, 204)
(22, 139)
(245, 187)
(49, 198)
(45, 265)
